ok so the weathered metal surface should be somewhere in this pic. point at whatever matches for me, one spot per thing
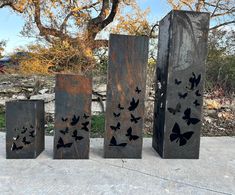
(180, 76)
(128, 56)
(24, 129)
(72, 116)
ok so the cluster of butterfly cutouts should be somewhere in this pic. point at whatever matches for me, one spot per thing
(73, 126)
(176, 134)
(133, 119)
(24, 136)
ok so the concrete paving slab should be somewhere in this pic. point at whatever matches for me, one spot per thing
(213, 173)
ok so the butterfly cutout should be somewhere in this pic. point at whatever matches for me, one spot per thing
(115, 128)
(137, 90)
(129, 134)
(197, 93)
(113, 142)
(15, 147)
(16, 138)
(133, 104)
(85, 116)
(75, 120)
(134, 119)
(75, 135)
(64, 119)
(31, 134)
(116, 115)
(182, 96)
(25, 129)
(196, 103)
(84, 126)
(194, 81)
(120, 107)
(61, 144)
(177, 82)
(64, 131)
(188, 119)
(174, 111)
(25, 141)
(181, 138)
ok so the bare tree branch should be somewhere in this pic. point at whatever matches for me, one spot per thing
(45, 31)
(10, 4)
(64, 23)
(152, 30)
(222, 24)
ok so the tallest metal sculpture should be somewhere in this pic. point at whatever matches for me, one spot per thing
(182, 52)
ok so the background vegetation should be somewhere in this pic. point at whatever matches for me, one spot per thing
(70, 35)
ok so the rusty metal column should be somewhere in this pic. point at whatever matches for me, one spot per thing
(72, 116)
(182, 52)
(128, 58)
(24, 129)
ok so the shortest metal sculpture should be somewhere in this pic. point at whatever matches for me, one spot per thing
(73, 95)
(25, 129)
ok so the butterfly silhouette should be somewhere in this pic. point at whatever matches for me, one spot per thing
(64, 131)
(85, 116)
(115, 128)
(137, 90)
(15, 147)
(196, 103)
(25, 129)
(133, 104)
(113, 142)
(181, 138)
(75, 135)
(197, 93)
(25, 141)
(84, 126)
(120, 107)
(31, 134)
(64, 119)
(61, 144)
(116, 115)
(74, 120)
(16, 138)
(194, 81)
(174, 111)
(188, 118)
(182, 96)
(134, 119)
(129, 134)
(177, 82)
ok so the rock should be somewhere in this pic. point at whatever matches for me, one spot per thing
(43, 91)
(46, 97)
(208, 119)
(21, 97)
(211, 113)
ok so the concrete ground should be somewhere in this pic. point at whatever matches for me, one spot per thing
(213, 173)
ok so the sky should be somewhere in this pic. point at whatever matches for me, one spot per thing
(12, 24)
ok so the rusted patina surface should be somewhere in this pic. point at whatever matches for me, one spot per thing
(24, 129)
(180, 76)
(128, 57)
(72, 116)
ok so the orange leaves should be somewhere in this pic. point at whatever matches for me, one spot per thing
(34, 66)
(132, 23)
